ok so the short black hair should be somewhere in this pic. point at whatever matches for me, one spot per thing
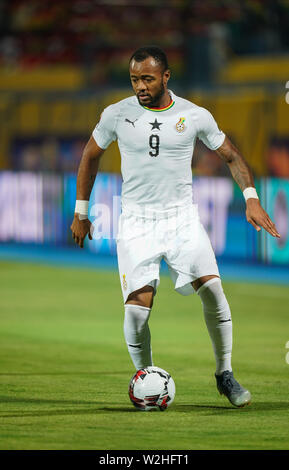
(151, 51)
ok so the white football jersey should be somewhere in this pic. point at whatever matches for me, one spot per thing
(156, 147)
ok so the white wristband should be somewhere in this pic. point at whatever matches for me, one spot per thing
(81, 207)
(250, 193)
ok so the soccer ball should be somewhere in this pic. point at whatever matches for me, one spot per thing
(152, 388)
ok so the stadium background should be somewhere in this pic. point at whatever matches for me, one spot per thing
(62, 62)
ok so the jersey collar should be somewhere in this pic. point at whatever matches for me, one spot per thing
(165, 108)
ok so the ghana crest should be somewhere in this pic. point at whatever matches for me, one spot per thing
(180, 126)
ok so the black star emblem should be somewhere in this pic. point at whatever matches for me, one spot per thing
(155, 125)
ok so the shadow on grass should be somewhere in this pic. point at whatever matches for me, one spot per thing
(79, 407)
(191, 407)
(62, 412)
(39, 401)
(254, 406)
(76, 408)
(28, 374)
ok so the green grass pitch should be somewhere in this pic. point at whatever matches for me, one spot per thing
(65, 368)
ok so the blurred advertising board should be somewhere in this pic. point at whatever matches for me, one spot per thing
(31, 208)
(38, 208)
(275, 194)
(21, 203)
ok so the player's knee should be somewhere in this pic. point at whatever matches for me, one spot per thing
(213, 296)
(142, 297)
(202, 281)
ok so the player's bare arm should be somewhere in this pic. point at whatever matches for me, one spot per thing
(86, 175)
(242, 174)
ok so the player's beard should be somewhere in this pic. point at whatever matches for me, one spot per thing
(154, 102)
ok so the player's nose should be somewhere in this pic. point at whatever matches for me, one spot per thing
(140, 86)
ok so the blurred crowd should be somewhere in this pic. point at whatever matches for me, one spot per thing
(100, 35)
(104, 32)
(63, 155)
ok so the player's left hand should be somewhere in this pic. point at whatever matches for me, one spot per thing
(257, 217)
(81, 228)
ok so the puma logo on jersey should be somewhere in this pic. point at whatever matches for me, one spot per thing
(180, 126)
(131, 122)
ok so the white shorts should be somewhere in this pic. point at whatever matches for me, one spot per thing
(178, 238)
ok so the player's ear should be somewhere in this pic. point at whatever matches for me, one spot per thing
(166, 76)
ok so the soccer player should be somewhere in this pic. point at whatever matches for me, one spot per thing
(156, 133)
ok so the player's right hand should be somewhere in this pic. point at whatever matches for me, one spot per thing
(257, 217)
(80, 228)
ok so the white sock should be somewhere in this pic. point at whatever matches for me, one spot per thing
(219, 323)
(137, 335)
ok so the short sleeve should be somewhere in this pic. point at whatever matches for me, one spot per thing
(104, 131)
(208, 130)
